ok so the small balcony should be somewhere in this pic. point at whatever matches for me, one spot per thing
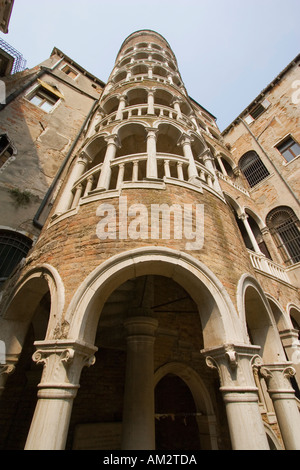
(267, 267)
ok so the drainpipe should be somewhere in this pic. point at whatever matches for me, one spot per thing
(35, 221)
(275, 168)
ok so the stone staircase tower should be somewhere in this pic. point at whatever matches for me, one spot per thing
(142, 255)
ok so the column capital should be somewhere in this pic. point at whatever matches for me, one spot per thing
(185, 139)
(265, 230)
(7, 369)
(63, 362)
(277, 376)
(141, 325)
(176, 99)
(151, 131)
(84, 158)
(234, 364)
(112, 139)
(243, 216)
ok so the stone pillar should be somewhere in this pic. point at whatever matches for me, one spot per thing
(66, 199)
(112, 145)
(291, 345)
(268, 239)
(63, 362)
(138, 430)
(244, 218)
(187, 150)
(121, 107)
(284, 401)
(223, 169)
(208, 163)
(240, 394)
(176, 103)
(150, 102)
(151, 153)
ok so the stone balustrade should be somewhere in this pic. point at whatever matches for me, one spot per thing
(142, 110)
(267, 266)
(132, 169)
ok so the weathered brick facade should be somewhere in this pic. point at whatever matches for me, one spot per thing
(193, 330)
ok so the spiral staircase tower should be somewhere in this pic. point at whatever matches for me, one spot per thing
(150, 304)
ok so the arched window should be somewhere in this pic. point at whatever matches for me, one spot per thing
(253, 168)
(284, 226)
(13, 248)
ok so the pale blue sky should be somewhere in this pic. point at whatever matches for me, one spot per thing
(227, 50)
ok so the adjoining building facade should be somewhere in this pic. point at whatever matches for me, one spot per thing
(149, 263)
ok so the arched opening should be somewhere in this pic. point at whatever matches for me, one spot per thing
(120, 76)
(30, 312)
(133, 140)
(176, 425)
(163, 97)
(111, 105)
(184, 412)
(167, 140)
(142, 45)
(140, 56)
(284, 226)
(192, 309)
(137, 96)
(159, 71)
(158, 57)
(139, 70)
(226, 164)
(96, 150)
(253, 168)
(125, 62)
(261, 328)
(14, 246)
(295, 318)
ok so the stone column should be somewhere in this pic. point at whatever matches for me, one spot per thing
(150, 102)
(112, 145)
(63, 362)
(66, 199)
(291, 345)
(151, 153)
(268, 239)
(121, 107)
(284, 401)
(176, 103)
(138, 430)
(222, 167)
(208, 163)
(187, 150)
(244, 218)
(240, 394)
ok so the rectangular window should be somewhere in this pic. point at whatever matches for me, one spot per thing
(44, 99)
(70, 72)
(289, 149)
(257, 111)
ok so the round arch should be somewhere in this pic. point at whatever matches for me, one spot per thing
(294, 313)
(198, 390)
(219, 320)
(255, 217)
(280, 317)
(22, 301)
(192, 379)
(257, 319)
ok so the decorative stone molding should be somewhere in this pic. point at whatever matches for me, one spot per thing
(240, 394)
(63, 362)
